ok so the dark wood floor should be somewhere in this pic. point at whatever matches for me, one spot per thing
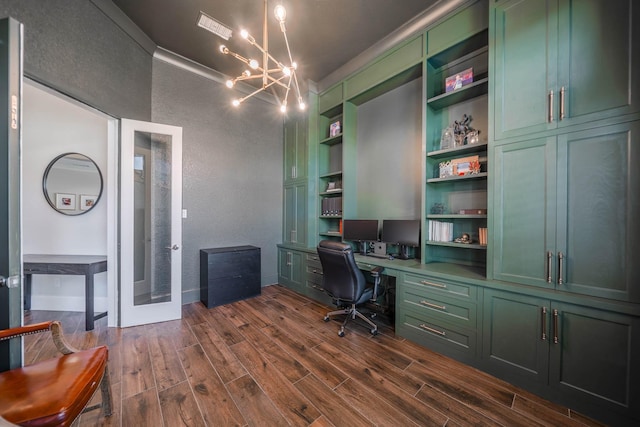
(272, 361)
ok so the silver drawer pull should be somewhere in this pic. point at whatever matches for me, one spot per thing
(317, 288)
(435, 331)
(432, 305)
(437, 285)
(317, 272)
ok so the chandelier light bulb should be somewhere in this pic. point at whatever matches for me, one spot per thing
(236, 102)
(229, 83)
(286, 71)
(253, 64)
(244, 33)
(301, 105)
(283, 107)
(224, 49)
(246, 73)
(294, 65)
(281, 13)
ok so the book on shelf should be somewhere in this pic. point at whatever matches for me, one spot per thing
(440, 231)
(472, 211)
(482, 233)
(331, 206)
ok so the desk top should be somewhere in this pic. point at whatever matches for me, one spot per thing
(63, 259)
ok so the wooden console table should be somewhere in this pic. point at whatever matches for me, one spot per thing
(82, 265)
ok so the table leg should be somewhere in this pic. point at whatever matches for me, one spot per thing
(27, 291)
(88, 294)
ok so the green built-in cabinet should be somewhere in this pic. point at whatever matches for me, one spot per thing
(552, 302)
(566, 210)
(559, 63)
(575, 353)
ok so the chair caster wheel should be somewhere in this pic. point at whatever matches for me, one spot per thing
(326, 318)
(374, 332)
(340, 334)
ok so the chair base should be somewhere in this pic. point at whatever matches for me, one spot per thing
(351, 313)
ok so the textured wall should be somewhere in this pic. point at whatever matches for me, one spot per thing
(70, 45)
(232, 169)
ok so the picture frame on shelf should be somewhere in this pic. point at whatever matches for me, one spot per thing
(335, 129)
(458, 80)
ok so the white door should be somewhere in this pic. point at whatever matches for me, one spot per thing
(150, 222)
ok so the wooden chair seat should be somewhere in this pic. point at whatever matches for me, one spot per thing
(54, 392)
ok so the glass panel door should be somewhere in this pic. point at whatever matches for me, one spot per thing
(151, 195)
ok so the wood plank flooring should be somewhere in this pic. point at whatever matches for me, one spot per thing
(272, 361)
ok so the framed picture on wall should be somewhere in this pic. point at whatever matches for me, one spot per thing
(87, 201)
(66, 201)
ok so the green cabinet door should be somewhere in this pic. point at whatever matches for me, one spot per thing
(515, 336)
(522, 66)
(559, 63)
(593, 357)
(598, 60)
(291, 269)
(524, 211)
(598, 206)
(295, 148)
(295, 214)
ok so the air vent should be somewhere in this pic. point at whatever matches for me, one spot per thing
(210, 24)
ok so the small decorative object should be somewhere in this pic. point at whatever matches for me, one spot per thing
(334, 129)
(458, 80)
(465, 238)
(446, 169)
(437, 209)
(447, 140)
(65, 201)
(473, 137)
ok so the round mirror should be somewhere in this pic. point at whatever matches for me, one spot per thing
(72, 184)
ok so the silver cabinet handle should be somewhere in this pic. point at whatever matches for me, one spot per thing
(549, 258)
(437, 285)
(544, 324)
(435, 331)
(173, 248)
(550, 106)
(555, 327)
(560, 268)
(432, 305)
(562, 91)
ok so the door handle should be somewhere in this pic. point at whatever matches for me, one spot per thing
(560, 268)
(9, 282)
(544, 324)
(550, 106)
(556, 340)
(562, 91)
(549, 257)
(173, 248)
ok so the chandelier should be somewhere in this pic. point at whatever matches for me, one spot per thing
(275, 75)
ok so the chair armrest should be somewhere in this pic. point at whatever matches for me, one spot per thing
(56, 334)
(21, 331)
(375, 272)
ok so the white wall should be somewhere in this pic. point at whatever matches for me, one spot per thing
(53, 125)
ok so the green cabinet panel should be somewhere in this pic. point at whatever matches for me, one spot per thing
(330, 99)
(523, 210)
(609, 375)
(394, 63)
(562, 219)
(560, 63)
(295, 214)
(462, 25)
(291, 269)
(295, 149)
(583, 355)
(515, 336)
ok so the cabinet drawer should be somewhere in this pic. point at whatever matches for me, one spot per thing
(315, 291)
(314, 275)
(438, 306)
(314, 260)
(437, 335)
(442, 287)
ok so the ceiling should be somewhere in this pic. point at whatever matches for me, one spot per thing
(323, 34)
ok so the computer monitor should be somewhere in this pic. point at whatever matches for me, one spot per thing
(362, 231)
(403, 232)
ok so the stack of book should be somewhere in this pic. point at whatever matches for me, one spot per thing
(482, 233)
(332, 206)
(440, 231)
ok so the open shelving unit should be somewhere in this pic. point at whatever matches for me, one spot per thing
(330, 175)
(447, 196)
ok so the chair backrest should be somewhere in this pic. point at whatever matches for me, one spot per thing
(341, 277)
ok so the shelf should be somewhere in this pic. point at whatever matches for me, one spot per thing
(451, 152)
(455, 216)
(458, 245)
(477, 88)
(332, 140)
(331, 234)
(331, 193)
(331, 174)
(481, 175)
(330, 216)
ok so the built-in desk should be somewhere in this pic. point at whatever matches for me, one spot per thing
(83, 265)
(391, 266)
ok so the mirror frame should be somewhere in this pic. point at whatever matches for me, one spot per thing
(45, 177)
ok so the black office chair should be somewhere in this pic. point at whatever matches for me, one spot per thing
(345, 283)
